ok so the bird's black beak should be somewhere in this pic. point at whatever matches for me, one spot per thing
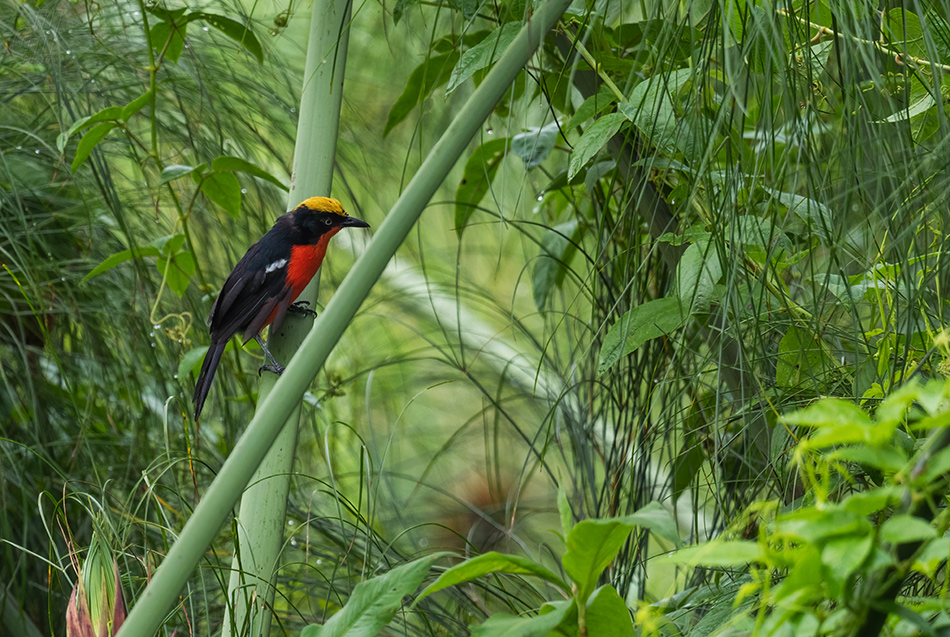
(353, 222)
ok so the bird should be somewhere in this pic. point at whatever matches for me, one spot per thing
(266, 282)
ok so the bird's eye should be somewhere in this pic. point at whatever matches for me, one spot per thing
(328, 221)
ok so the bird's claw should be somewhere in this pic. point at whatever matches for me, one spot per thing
(302, 307)
(277, 369)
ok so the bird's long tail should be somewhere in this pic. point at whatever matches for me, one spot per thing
(208, 367)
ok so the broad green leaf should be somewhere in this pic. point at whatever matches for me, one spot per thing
(479, 171)
(719, 554)
(170, 37)
(505, 625)
(933, 557)
(593, 139)
(110, 113)
(177, 273)
(135, 105)
(873, 500)
(886, 458)
(173, 172)
(190, 363)
(592, 106)
(801, 359)
(486, 564)
(812, 213)
(905, 33)
(591, 546)
(607, 614)
(223, 189)
(227, 163)
(558, 247)
(841, 557)
(906, 528)
(651, 108)
(483, 54)
(817, 526)
(89, 142)
(641, 324)
(432, 73)
(121, 257)
(169, 244)
(657, 518)
(697, 273)
(535, 145)
(233, 29)
(374, 602)
(830, 412)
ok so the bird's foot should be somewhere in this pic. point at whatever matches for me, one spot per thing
(302, 307)
(276, 368)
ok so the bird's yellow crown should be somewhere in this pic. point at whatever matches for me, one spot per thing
(323, 204)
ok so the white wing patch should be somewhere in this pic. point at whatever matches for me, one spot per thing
(276, 265)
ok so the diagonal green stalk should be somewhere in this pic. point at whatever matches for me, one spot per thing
(159, 596)
(260, 521)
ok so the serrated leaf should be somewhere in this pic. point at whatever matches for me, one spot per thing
(135, 105)
(536, 144)
(226, 163)
(223, 189)
(591, 546)
(483, 54)
(374, 602)
(121, 257)
(488, 563)
(479, 171)
(89, 142)
(593, 139)
(173, 172)
(190, 363)
(641, 324)
(432, 73)
(558, 247)
(233, 29)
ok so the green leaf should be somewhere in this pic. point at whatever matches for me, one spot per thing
(190, 363)
(89, 142)
(830, 412)
(227, 163)
(564, 510)
(178, 272)
(697, 273)
(906, 528)
(719, 554)
(373, 603)
(657, 518)
(801, 358)
(173, 172)
(535, 145)
(400, 9)
(135, 106)
(593, 139)
(121, 257)
(592, 106)
(558, 247)
(170, 36)
(641, 324)
(607, 614)
(432, 73)
(591, 546)
(818, 526)
(483, 54)
(479, 171)
(223, 189)
(234, 30)
(651, 108)
(110, 113)
(505, 625)
(491, 562)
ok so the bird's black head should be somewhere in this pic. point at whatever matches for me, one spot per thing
(317, 215)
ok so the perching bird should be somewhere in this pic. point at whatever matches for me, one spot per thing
(268, 279)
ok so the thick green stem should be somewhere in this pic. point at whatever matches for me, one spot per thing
(157, 599)
(260, 523)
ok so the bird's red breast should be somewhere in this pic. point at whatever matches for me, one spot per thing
(304, 262)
